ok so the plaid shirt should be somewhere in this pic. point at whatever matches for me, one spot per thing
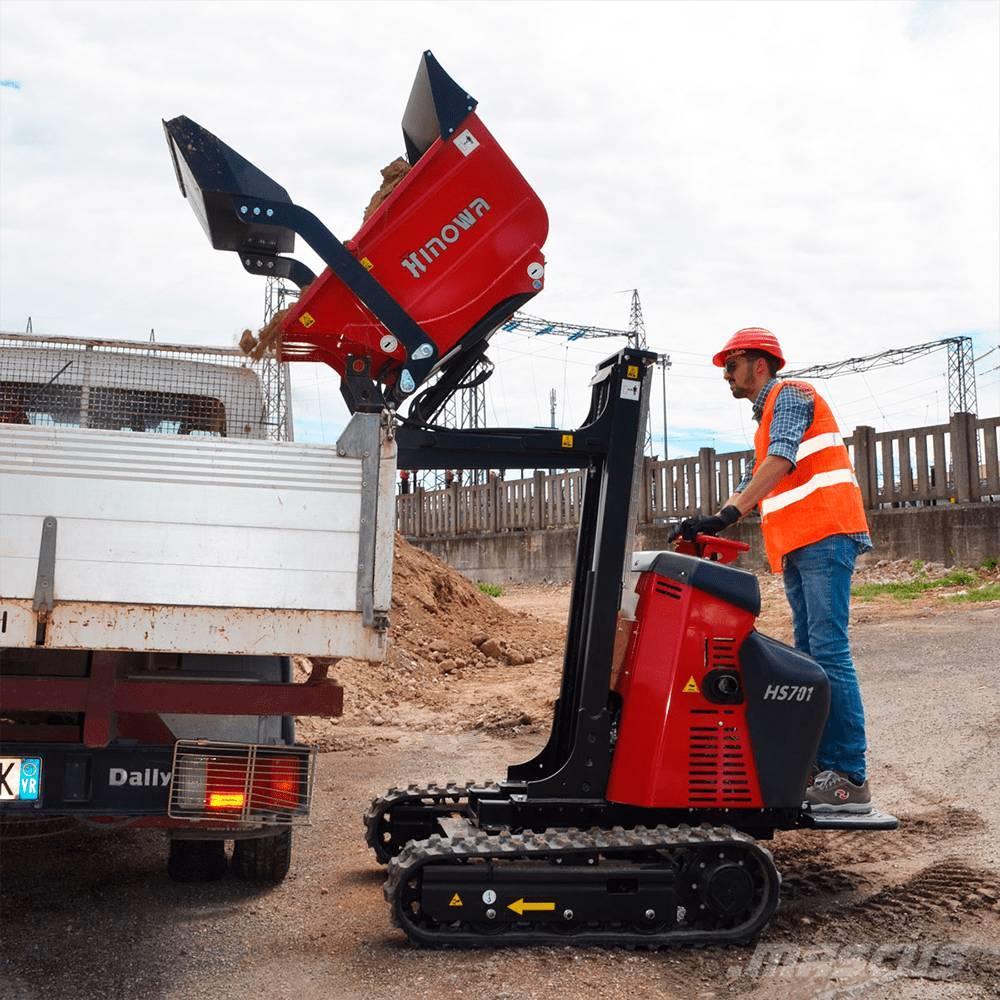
(793, 413)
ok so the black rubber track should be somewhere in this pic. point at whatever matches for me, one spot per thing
(437, 799)
(682, 845)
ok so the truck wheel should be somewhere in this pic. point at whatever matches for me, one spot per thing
(197, 860)
(263, 859)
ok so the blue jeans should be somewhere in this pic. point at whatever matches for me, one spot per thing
(818, 587)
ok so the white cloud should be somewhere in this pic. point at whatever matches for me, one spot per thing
(826, 169)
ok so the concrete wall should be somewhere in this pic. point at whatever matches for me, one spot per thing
(512, 557)
(955, 534)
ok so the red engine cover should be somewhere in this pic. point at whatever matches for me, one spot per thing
(676, 749)
(461, 233)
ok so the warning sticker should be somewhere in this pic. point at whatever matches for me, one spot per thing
(466, 142)
(630, 389)
(567, 440)
(456, 900)
(307, 320)
(632, 371)
(692, 686)
(366, 264)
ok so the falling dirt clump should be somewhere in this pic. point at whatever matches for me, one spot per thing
(392, 174)
(267, 340)
(444, 630)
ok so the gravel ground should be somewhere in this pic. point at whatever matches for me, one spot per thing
(90, 914)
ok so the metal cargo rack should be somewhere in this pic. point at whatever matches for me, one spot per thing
(137, 386)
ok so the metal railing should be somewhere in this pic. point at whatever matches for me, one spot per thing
(955, 462)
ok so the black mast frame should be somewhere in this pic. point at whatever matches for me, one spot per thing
(576, 760)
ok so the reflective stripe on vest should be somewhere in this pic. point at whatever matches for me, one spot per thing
(817, 443)
(820, 496)
(797, 493)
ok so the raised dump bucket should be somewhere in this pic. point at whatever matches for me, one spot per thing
(441, 263)
(213, 177)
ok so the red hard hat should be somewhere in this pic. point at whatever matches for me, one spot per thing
(750, 338)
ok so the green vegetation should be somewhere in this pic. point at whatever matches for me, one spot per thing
(491, 589)
(990, 564)
(918, 565)
(987, 592)
(910, 589)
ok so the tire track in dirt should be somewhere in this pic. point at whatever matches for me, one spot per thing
(941, 902)
(846, 888)
(945, 889)
(917, 833)
(840, 874)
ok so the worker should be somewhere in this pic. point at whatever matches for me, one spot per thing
(404, 481)
(814, 527)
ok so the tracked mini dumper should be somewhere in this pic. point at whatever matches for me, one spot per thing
(639, 822)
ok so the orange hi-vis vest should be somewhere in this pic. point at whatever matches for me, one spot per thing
(820, 496)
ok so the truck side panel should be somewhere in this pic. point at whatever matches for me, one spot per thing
(189, 544)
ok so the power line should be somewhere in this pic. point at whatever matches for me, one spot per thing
(885, 392)
(635, 335)
(589, 350)
(961, 368)
(571, 331)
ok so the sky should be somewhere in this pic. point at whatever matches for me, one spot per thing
(827, 170)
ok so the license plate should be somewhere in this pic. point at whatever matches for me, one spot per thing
(20, 778)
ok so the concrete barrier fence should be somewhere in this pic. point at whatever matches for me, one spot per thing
(953, 463)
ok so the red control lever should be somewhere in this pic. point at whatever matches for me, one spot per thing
(725, 550)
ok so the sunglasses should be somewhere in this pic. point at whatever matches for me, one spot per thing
(732, 364)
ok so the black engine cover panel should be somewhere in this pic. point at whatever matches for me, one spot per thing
(788, 700)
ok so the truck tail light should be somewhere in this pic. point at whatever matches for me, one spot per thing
(276, 782)
(225, 783)
(250, 783)
(226, 800)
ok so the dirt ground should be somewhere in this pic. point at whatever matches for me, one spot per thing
(908, 914)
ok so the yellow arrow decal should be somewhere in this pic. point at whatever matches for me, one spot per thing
(520, 907)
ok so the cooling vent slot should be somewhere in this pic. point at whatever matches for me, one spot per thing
(668, 589)
(720, 654)
(717, 767)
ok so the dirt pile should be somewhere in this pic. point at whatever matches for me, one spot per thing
(439, 615)
(392, 174)
(444, 631)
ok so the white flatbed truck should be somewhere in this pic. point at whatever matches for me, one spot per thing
(161, 560)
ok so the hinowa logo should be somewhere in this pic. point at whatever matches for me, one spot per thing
(416, 262)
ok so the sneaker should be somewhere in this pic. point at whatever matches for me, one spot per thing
(832, 791)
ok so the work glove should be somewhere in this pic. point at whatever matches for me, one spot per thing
(712, 525)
